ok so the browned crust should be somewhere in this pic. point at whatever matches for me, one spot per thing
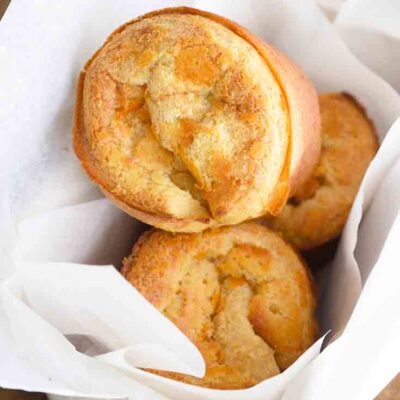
(188, 241)
(299, 96)
(363, 111)
(323, 217)
(190, 225)
(158, 259)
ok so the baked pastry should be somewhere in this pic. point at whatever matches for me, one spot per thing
(241, 294)
(318, 211)
(186, 120)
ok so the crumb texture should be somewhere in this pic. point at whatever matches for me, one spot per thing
(240, 294)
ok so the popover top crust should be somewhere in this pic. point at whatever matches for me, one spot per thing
(240, 294)
(319, 209)
(183, 118)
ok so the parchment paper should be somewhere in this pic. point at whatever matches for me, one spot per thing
(375, 23)
(70, 324)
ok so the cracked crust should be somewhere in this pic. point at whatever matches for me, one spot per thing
(240, 294)
(318, 211)
(186, 121)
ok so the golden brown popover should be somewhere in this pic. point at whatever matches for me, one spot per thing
(318, 211)
(186, 121)
(241, 294)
